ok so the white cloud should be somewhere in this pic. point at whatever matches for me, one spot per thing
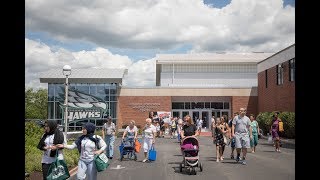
(162, 24)
(41, 58)
(141, 73)
(241, 26)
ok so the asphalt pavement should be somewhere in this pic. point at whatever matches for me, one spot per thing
(265, 163)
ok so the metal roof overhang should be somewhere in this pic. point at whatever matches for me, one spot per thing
(81, 80)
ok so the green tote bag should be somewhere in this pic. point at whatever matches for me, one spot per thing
(101, 162)
(58, 170)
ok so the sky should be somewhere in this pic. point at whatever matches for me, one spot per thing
(129, 34)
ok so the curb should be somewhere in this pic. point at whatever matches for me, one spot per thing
(73, 172)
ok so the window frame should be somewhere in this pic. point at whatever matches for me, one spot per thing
(279, 68)
(292, 70)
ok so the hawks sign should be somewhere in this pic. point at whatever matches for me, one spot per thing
(83, 106)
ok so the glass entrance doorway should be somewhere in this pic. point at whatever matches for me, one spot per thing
(216, 113)
(205, 114)
(195, 116)
(206, 118)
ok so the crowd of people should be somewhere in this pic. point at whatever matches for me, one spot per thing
(239, 132)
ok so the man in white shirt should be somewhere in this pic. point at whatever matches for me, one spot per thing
(108, 134)
(242, 132)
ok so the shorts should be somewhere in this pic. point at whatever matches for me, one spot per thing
(242, 140)
(147, 143)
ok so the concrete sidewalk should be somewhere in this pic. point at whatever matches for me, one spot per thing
(286, 144)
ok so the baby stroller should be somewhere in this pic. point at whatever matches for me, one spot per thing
(127, 147)
(190, 152)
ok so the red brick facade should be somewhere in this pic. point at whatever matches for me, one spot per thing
(276, 97)
(138, 107)
(248, 102)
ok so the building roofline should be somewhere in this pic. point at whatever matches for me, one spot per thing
(277, 53)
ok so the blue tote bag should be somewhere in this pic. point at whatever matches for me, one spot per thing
(152, 154)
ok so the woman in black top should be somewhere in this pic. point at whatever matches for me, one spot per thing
(189, 129)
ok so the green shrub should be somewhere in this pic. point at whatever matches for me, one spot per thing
(288, 118)
(264, 120)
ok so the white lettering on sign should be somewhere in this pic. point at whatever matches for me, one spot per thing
(75, 115)
(91, 114)
(82, 115)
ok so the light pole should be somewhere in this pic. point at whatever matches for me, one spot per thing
(67, 72)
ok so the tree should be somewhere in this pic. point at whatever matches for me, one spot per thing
(36, 105)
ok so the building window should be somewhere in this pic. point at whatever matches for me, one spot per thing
(107, 92)
(177, 105)
(187, 105)
(292, 69)
(226, 105)
(216, 105)
(279, 74)
(266, 78)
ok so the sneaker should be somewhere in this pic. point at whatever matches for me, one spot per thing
(278, 150)
(145, 160)
(232, 156)
(238, 158)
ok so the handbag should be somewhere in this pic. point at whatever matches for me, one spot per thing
(269, 139)
(152, 154)
(281, 129)
(101, 162)
(225, 139)
(58, 170)
(137, 145)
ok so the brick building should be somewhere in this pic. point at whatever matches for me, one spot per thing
(202, 85)
(276, 82)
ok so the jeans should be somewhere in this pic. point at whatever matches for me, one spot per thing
(86, 169)
(110, 145)
(45, 169)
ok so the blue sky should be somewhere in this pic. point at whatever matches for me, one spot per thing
(129, 34)
(223, 3)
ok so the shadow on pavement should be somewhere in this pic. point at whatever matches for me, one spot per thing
(174, 162)
(270, 151)
(229, 162)
(284, 145)
(185, 170)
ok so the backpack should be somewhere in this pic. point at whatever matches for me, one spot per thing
(281, 126)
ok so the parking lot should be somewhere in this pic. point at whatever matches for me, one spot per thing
(264, 164)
